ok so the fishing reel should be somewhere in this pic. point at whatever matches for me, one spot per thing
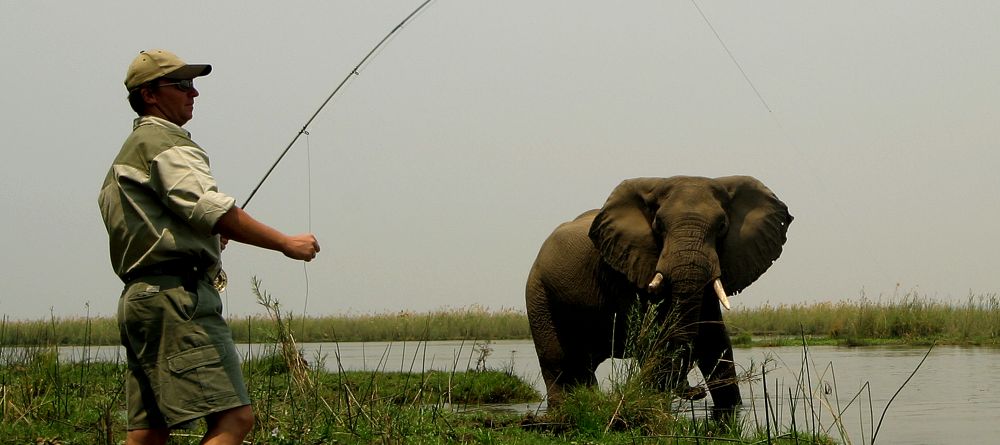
(220, 281)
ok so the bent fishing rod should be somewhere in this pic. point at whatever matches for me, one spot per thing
(352, 73)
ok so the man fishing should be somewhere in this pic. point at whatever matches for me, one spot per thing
(167, 225)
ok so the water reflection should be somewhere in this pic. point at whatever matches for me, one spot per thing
(949, 399)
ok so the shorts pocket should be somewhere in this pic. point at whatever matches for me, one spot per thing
(195, 358)
(144, 295)
(200, 381)
(185, 304)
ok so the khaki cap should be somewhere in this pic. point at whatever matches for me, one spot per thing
(156, 63)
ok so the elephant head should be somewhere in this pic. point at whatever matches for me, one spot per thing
(674, 236)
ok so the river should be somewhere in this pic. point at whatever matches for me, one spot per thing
(949, 400)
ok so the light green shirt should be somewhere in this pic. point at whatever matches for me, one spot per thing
(159, 200)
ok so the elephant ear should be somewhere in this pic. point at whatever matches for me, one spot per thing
(622, 231)
(758, 222)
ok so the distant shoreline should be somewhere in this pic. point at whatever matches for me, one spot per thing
(912, 320)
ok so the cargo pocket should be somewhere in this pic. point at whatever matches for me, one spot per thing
(197, 377)
(193, 358)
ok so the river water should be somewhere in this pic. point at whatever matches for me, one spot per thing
(950, 398)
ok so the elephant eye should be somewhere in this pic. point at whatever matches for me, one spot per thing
(723, 225)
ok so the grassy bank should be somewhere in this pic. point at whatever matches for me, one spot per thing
(46, 401)
(911, 319)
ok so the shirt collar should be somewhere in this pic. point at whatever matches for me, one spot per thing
(153, 120)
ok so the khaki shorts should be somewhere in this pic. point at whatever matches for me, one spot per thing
(182, 362)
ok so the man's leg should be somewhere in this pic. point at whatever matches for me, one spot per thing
(229, 427)
(147, 437)
(142, 412)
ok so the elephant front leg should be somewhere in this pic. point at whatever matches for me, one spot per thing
(723, 384)
(685, 317)
(673, 374)
(672, 357)
(714, 353)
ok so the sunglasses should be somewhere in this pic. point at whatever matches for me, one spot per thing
(183, 85)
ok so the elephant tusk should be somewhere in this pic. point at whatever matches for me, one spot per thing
(721, 293)
(655, 284)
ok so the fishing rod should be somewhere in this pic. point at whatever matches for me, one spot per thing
(221, 280)
(352, 73)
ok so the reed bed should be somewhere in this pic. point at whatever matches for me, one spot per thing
(911, 319)
(469, 323)
(472, 322)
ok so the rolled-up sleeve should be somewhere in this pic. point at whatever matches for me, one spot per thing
(182, 177)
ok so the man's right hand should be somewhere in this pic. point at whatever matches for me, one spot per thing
(301, 247)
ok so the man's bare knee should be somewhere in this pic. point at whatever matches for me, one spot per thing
(147, 437)
(243, 416)
(232, 423)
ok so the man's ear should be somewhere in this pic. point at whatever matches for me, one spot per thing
(148, 94)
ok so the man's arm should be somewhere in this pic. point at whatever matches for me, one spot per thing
(238, 225)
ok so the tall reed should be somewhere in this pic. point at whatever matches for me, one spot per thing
(911, 319)
(473, 322)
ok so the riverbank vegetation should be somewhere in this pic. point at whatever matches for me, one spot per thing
(49, 402)
(46, 400)
(908, 320)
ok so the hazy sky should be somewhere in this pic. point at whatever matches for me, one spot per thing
(433, 177)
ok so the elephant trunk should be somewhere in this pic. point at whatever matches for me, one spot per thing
(690, 270)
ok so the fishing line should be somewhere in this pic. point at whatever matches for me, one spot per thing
(781, 129)
(731, 56)
(354, 72)
(305, 268)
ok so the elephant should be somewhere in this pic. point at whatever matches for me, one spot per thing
(675, 244)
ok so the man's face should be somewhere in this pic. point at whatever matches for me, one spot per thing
(173, 100)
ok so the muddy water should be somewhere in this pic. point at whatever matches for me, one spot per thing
(952, 398)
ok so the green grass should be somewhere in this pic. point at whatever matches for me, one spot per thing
(45, 401)
(473, 322)
(910, 320)
(456, 324)
(297, 401)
